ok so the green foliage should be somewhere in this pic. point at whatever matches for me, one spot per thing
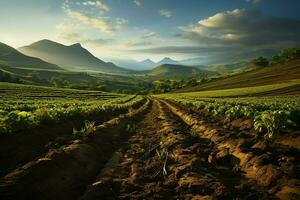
(261, 61)
(22, 107)
(270, 114)
(271, 122)
(59, 82)
(286, 55)
(88, 128)
(16, 120)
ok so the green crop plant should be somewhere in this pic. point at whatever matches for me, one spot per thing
(88, 128)
(271, 122)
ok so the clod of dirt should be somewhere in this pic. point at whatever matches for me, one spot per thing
(267, 174)
(242, 124)
(260, 145)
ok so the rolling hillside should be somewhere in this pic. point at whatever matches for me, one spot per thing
(279, 73)
(11, 57)
(27, 75)
(73, 57)
(176, 71)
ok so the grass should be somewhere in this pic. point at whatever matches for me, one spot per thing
(247, 91)
(279, 73)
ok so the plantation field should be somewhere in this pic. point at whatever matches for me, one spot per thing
(246, 91)
(10, 91)
(224, 144)
(274, 74)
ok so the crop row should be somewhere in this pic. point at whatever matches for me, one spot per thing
(15, 116)
(270, 114)
(25, 92)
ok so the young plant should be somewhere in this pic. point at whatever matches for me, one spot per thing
(271, 122)
(88, 128)
(162, 153)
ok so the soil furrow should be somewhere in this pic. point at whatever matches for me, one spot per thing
(164, 160)
(276, 170)
(63, 173)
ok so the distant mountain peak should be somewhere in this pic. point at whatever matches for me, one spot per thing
(73, 57)
(147, 60)
(77, 45)
(167, 60)
(44, 42)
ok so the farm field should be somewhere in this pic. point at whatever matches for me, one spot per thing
(150, 100)
(181, 145)
(247, 91)
(277, 73)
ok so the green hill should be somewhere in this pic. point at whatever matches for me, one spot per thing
(11, 57)
(40, 76)
(73, 57)
(171, 71)
(279, 73)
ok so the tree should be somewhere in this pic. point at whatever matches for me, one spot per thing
(59, 81)
(260, 61)
(290, 54)
(286, 55)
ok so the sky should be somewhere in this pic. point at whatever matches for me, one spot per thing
(141, 29)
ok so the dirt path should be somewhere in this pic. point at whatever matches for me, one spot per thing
(166, 160)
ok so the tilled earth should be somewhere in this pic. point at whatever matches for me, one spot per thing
(168, 152)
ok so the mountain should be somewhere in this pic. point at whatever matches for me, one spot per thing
(168, 71)
(148, 64)
(134, 65)
(13, 58)
(73, 57)
(167, 60)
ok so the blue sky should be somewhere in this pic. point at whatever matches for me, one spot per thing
(140, 29)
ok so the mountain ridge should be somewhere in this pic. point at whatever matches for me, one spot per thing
(73, 57)
(10, 56)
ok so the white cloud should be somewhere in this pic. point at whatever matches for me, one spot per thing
(225, 19)
(147, 39)
(88, 16)
(245, 28)
(137, 2)
(104, 24)
(98, 4)
(165, 13)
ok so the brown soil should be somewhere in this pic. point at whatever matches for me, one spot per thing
(162, 152)
(18, 148)
(63, 172)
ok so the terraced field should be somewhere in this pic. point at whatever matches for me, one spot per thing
(176, 146)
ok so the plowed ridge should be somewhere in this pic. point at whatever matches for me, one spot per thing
(159, 151)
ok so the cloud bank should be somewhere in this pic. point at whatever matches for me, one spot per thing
(233, 31)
